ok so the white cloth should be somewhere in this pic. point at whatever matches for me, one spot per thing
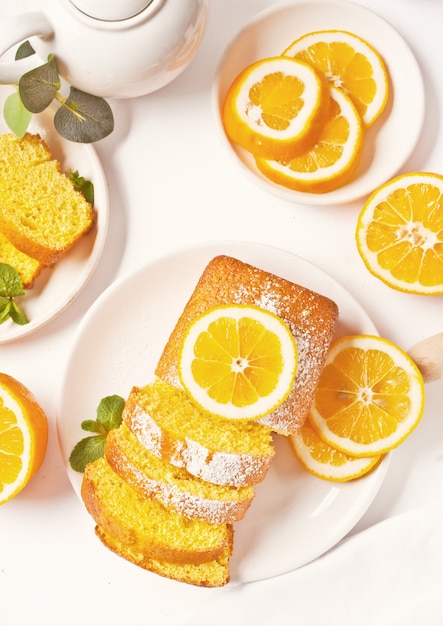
(388, 575)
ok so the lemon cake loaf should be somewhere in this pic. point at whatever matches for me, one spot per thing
(41, 213)
(311, 317)
(27, 268)
(213, 573)
(173, 486)
(171, 426)
(144, 525)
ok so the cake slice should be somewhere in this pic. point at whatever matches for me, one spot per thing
(171, 426)
(310, 316)
(173, 486)
(27, 268)
(213, 573)
(143, 525)
(41, 213)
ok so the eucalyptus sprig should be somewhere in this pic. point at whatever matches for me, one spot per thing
(89, 449)
(11, 286)
(81, 117)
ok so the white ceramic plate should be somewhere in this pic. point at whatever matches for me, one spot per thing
(388, 144)
(55, 288)
(294, 517)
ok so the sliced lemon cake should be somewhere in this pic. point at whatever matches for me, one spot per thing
(170, 425)
(173, 486)
(41, 213)
(146, 526)
(213, 573)
(27, 268)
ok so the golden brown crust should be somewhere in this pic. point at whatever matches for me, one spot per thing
(210, 574)
(310, 316)
(143, 525)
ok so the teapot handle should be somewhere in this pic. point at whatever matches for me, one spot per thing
(14, 30)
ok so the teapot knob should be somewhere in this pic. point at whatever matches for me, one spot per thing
(111, 11)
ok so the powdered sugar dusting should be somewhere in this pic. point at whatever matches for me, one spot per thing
(218, 467)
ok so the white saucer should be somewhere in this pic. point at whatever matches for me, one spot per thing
(55, 288)
(391, 140)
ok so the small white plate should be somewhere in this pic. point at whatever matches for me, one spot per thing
(390, 141)
(294, 517)
(55, 288)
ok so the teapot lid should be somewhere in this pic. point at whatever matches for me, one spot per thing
(111, 10)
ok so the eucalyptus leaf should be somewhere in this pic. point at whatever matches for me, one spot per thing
(24, 50)
(39, 86)
(84, 118)
(16, 115)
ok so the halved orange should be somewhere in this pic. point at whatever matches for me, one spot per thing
(23, 437)
(369, 398)
(323, 461)
(332, 161)
(400, 233)
(276, 108)
(238, 361)
(348, 62)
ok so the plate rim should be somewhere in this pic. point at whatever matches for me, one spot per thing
(342, 195)
(210, 249)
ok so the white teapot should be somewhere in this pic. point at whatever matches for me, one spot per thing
(108, 48)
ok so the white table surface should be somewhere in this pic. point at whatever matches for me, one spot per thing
(171, 184)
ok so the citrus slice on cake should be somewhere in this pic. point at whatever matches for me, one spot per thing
(23, 437)
(238, 361)
(276, 108)
(323, 461)
(369, 398)
(333, 159)
(349, 62)
(400, 233)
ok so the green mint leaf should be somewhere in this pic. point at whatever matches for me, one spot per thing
(86, 187)
(84, 118)
(92, 426)
(39, 86)
(16, 115)
(17, 315)
(109, 412)
(24, 50)
(87, 451)
(109, 416)
(5, 309)
(10, 282)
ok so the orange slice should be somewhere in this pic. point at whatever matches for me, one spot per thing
(348, 62)
(238, 361)
(23, 437)
(400, 233)
(369, 398)
(323, 461)
(276, 108)
(332, 161)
